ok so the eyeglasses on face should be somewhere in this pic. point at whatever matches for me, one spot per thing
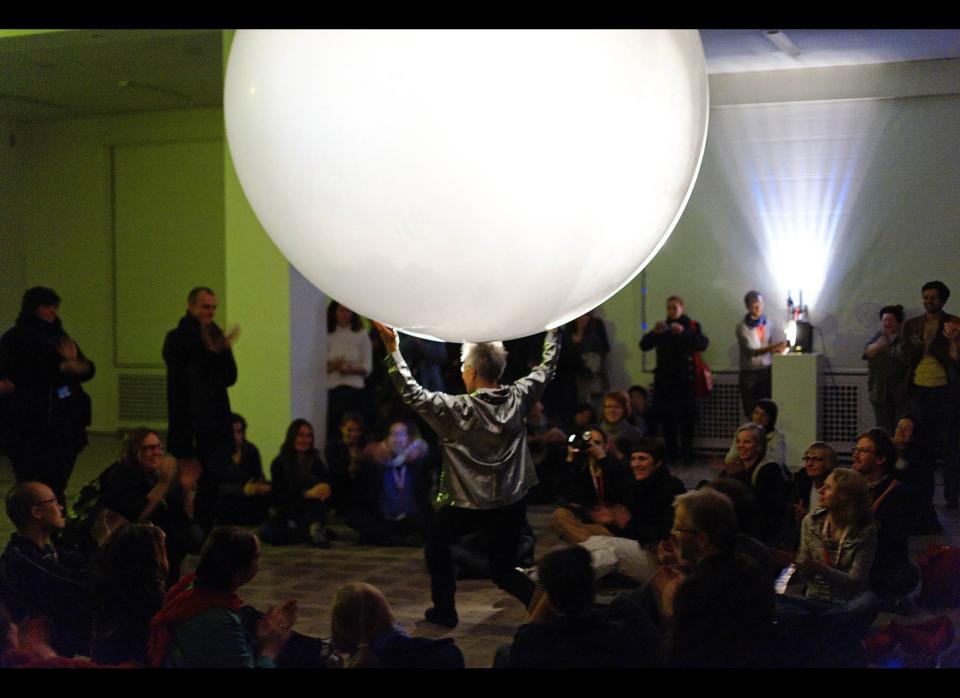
(151, 447)
(44, 501)
(863, 450)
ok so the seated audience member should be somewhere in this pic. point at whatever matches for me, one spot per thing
(722, 610)
(638, 408)
(243, 494)
(915, 466)
(128, 578)
(26, 646)
(565, 629)
(746, 542)
(40, 580)
(765, 415)
(616, 413)
(764, 477)
(343, 453)
(818, 461)
(146, 486)
(364, 632)
(893, 506)
(583, 416)
(546, 443)
(391, 490)
(642, 520)
(202, 622)
(837, 547)
(300, 491)
(591, 486)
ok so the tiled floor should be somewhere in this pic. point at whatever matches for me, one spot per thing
(488, 616)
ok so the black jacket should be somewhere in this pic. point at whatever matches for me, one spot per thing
(675, 352)
(198, 407)
(651, 505)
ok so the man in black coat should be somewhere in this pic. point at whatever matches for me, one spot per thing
(676, 340)
(200, 368)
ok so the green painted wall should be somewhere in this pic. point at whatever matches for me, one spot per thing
(67, 231)
(12, 267)
(258, 292)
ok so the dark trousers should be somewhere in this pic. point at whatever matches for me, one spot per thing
(50, 462)
(754, 385)
(502, 526)
(935, 410)
(674, 410)
(376, 530)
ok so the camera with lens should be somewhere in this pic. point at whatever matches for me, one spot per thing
(580, 441)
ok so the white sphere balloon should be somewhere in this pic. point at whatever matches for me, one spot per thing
(467, 185)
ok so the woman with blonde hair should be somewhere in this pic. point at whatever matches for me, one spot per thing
(838, 542)
(365, 633)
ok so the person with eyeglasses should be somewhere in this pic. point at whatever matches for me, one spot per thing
(39, 579)
(818, 461)
(146, 485)
(894, 504)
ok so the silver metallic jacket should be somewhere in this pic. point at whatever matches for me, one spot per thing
(486, 461)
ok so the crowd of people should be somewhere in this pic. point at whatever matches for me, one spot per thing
(443, 447)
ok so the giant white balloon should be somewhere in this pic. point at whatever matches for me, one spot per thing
(467, 185)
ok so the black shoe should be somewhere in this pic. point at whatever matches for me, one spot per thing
(448, 619)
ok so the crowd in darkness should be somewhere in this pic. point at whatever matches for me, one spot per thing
(104, 586)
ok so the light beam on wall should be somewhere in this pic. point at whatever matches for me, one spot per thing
(795, 171)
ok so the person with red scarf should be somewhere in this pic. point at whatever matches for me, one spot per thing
(203, 623)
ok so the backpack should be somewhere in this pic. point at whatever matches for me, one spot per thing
(89, 522)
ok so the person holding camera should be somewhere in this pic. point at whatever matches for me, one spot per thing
(592, 489)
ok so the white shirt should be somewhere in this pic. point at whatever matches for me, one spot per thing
(354, 348)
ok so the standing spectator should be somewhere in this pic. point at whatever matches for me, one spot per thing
(47, 411)
(349, 362)
(40, 580)
(244, 496)
(200, 368)
(675, 339)
(884, 356)
(755, 337)
(931, 348)
(300, 491)
(588, 341)
(145, 486)
(487, 468)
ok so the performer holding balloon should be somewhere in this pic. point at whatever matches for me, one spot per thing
(487, 467)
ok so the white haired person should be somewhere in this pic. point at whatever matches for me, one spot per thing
(487, 466)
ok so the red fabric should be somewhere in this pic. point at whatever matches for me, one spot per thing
(183, 602)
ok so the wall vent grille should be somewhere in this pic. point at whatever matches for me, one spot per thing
(142, 398)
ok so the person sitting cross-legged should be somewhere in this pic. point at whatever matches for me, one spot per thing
(565, 629)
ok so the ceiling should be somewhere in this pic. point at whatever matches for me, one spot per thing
(65, 74)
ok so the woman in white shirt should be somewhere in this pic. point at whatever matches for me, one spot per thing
(349, 362)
